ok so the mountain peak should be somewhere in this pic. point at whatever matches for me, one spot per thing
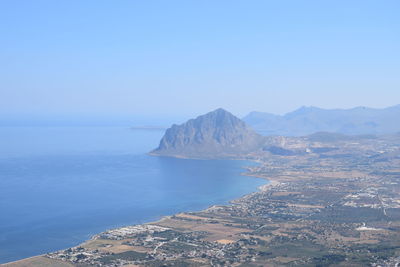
(220, 113)
(216, 134)
(220, 110)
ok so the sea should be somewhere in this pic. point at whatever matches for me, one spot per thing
(61, 185)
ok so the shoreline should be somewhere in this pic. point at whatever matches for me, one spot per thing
(262, 188)
(339, 207)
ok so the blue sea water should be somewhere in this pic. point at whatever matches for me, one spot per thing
(61, 185)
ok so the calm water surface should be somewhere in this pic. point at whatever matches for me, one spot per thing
(59, 186)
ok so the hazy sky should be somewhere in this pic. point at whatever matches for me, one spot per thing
(161, 58)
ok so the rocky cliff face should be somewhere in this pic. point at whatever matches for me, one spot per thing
(215, 134)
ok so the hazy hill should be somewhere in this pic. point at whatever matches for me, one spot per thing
(215, 134)
(308, 120)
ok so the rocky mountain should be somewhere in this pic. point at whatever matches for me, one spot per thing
(309, 120)
(215, 134)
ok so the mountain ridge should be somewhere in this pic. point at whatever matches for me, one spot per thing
(308, 120)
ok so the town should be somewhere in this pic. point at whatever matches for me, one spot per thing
(329, 201)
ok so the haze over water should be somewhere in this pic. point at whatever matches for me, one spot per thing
(61, 185)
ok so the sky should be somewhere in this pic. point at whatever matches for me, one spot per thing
(153, 59)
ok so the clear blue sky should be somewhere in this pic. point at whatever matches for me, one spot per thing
(164, 58)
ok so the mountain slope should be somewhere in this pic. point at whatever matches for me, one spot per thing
(215, 134)
(308, 120)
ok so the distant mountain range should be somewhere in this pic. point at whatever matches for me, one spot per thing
(215, 134)
(309, 120)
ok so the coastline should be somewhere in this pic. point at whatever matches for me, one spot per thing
(38, 260)
(314, 211)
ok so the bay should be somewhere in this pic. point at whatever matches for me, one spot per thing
(61, 185)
